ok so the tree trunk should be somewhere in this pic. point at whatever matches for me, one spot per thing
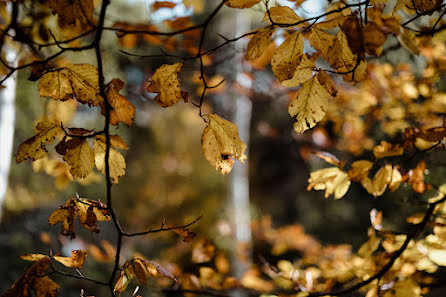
(7, 118)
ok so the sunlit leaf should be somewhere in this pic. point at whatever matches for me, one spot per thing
(333, 180)
(165, 82)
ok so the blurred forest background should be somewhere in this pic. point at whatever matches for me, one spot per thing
(167, 178)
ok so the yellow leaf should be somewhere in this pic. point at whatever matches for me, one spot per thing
(378, 185)
(360, 169)
(220, 142)
(405, 288)
(78, 81)
(302, 72)
(333, 180)
(259, 43)
(321, 41)
(341, 57)
(76, 260)
(79, 156)
(385, 149)
(309, 105)
(122, 110)
(90, 212)
(115, 141)
(116, 160)
(34, 147)
(241, 3)
(407, 39)
(282, 15)
(124, 279)
(33, 257)
(165, 82)
(438, 256)
(287, 56)
(396, 179)
(66, 214)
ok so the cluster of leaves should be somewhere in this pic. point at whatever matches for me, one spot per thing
(342, 39)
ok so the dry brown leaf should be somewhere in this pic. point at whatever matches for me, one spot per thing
(65, 214)
(385, 149)
(116, 160)
(79, 156)
(76, 260)
(122, 110)
(241, 3)
(221, 144)
(287, 57)
(70, 11)
(34, 147)
(165, 82)
(259, 43)
(282, 15)
(78, 81)
(309, 105)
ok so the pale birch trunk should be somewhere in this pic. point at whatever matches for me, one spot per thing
(7, 119)
(238, 106)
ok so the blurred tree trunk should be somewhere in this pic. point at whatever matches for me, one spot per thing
(7, 118)
(238, 107)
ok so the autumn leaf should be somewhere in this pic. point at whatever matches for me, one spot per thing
(162, 4)
(65, 214)
(416, 177)
(321, 41)
(187, 235)
(259, 43)
(241, 3)
(79, 81)
(90, 212)
(302, 72)
(360, 170)
(79, 156)
(381, 180)
(34, 147)
(333, 180)
(76, 260)
(385, 149)
(122, 110)
(407, 39)
(141, 272)
(221, 144)
(70, 11)
(115, 141)
(287, 57)
(341, 57)
(124, 279)
(282, 15)
(165, 82)
(34, 279)
(309, 105)
(116, 160)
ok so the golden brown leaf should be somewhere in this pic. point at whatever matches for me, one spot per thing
(333, 180)
(116, 160)
(122, 110)
(79, 156)
(115, 141)
(165, 82)
(321, 41)
(302, 72)
(78, 81)
(141, 272)
(34, 147)
(353, 31)
(282, 15)
(380, 181)
(360, 169)
(385, 149)
(66, 214)
(374, 39)
(287, 56)
(241, 3)
(90, 212)
(221, 144)
(416, 177)
(124, 279)
(309, 105)
(407, 39)
(76, 260)
(341, 57)
(259, 43)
